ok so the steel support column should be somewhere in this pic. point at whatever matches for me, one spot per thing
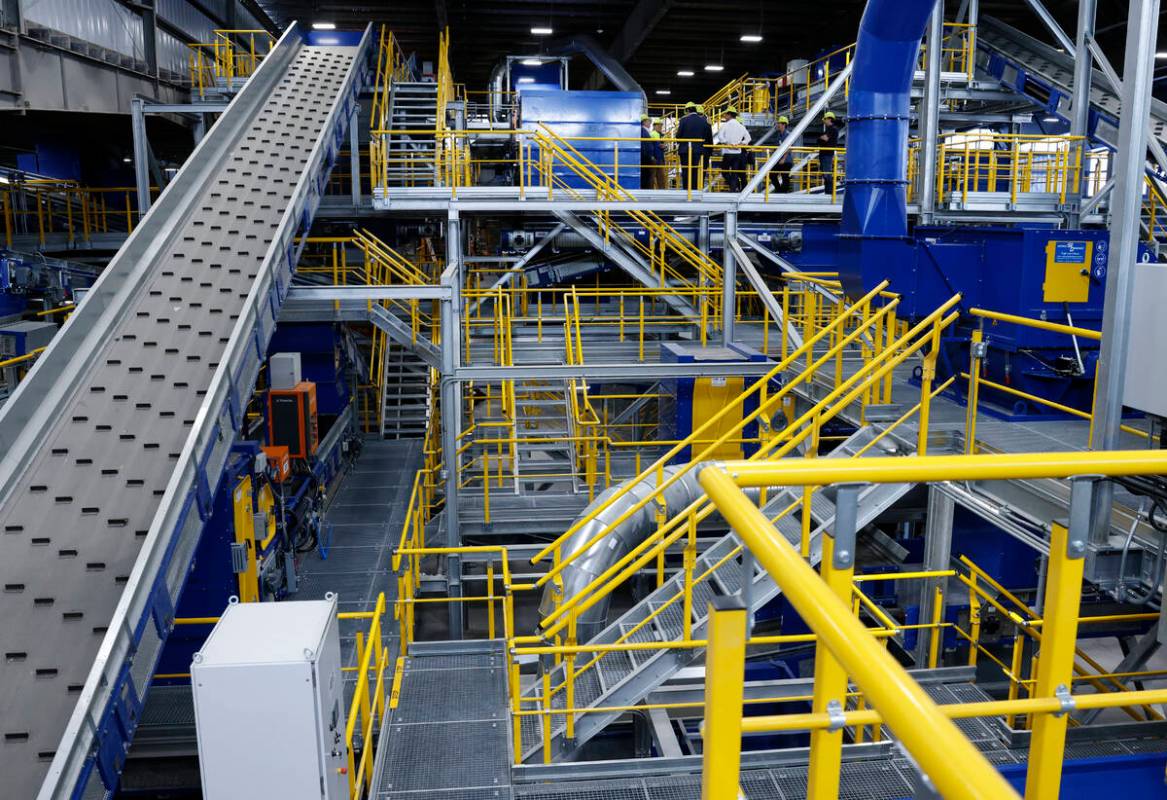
(141, 154)
(1131, 159)
(728, 279)
(1080, 108)
(354, 158)
(451, 410)
(937, 554)
(930, 114)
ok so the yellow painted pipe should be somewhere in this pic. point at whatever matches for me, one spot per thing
(981, 467)
(956, 767)
(1055, 327)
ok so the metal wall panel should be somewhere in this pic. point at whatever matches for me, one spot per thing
(173, 54)
(105, 23)
(188, 19)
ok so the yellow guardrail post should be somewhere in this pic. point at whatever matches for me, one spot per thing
(937, 632)
(976, 356)
(724, 690)
(830, 680)
(1055, 667)
(953, 764)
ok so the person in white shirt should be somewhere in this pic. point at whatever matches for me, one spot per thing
(732, 135)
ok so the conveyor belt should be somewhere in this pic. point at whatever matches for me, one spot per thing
(1056, 68)
(142, 414)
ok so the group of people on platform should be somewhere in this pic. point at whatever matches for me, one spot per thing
(695, 138)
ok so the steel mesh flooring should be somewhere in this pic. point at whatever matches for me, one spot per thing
(450, 730)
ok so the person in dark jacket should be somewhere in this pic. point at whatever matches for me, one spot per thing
(780, 175)
(647, 165)
(829, 139)
(692, 153)
(659, 177)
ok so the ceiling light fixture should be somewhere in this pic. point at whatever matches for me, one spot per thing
(713, 68)
(1051, 118)
(751, 38)
(685, 73)
(1161, 54)
(527, 79)
(323, 26)
(664, 91)
(541, 31)
(532, 62)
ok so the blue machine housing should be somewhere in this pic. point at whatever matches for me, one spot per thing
(676, 403)
(592, 114)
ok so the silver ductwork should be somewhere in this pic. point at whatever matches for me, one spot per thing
(611, 69)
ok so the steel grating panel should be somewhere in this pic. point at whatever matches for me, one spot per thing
(430, 696)
(76, 518)
(625, 789)
(859, 780)
(445, 755)
(455, 661)
(487, 793)
(759, 784)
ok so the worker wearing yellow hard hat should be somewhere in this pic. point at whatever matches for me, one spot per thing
(780, 174)
(732, 136)
(694, 136)
(829, 139)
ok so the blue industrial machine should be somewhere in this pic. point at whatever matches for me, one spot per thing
(687, 403)
(602, 117)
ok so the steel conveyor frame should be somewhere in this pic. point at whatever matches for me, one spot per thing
(104, 716)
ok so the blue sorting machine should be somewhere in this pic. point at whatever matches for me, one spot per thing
(605, 116)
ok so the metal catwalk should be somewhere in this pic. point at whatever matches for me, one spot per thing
(98, 481)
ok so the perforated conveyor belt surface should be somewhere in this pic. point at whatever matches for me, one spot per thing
(74, 526)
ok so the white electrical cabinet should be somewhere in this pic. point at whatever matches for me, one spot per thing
(269, 703)
(1146, 371)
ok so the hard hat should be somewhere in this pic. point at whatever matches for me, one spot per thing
(646, 118)
(700, 109)
(829, 115)
(785, 120)
(690, 104)
(731, 110)
(658, 121)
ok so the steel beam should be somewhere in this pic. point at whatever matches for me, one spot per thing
(354, 152)
(728, 279)
(645, 373)
(1138, 74)
(641, 21)
(937, 554)
(363, 293)
(1052, 25)
(930, 114)
(519, 265)
(450, 398)
(401, 333)
(1080, 107)
(141, 154)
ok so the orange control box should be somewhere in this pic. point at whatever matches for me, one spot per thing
(278, 464)
(291, 419)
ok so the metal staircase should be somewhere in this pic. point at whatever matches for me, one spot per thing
(405, 393)
(620, 679)
(411, 158)
(544, 451)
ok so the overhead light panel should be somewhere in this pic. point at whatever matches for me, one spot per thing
(323, 26)
(684, 73)
(527, 79)
(532, 62)
(664, 91)
(751, 38)
(1052, 118)
(1161, 54)
(541, 31)
(713, 68)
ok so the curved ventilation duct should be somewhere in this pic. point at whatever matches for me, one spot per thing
(875, 211)
(612, 69)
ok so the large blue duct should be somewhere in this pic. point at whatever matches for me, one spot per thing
(875, 213)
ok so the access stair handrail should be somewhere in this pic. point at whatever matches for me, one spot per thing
(657, 467)
(778, 447)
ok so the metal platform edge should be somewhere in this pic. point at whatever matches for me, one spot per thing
(106, 712)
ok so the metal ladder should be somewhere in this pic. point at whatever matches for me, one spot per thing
(405, 396)
(545, 455)
(626, 678)
(412, 158)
